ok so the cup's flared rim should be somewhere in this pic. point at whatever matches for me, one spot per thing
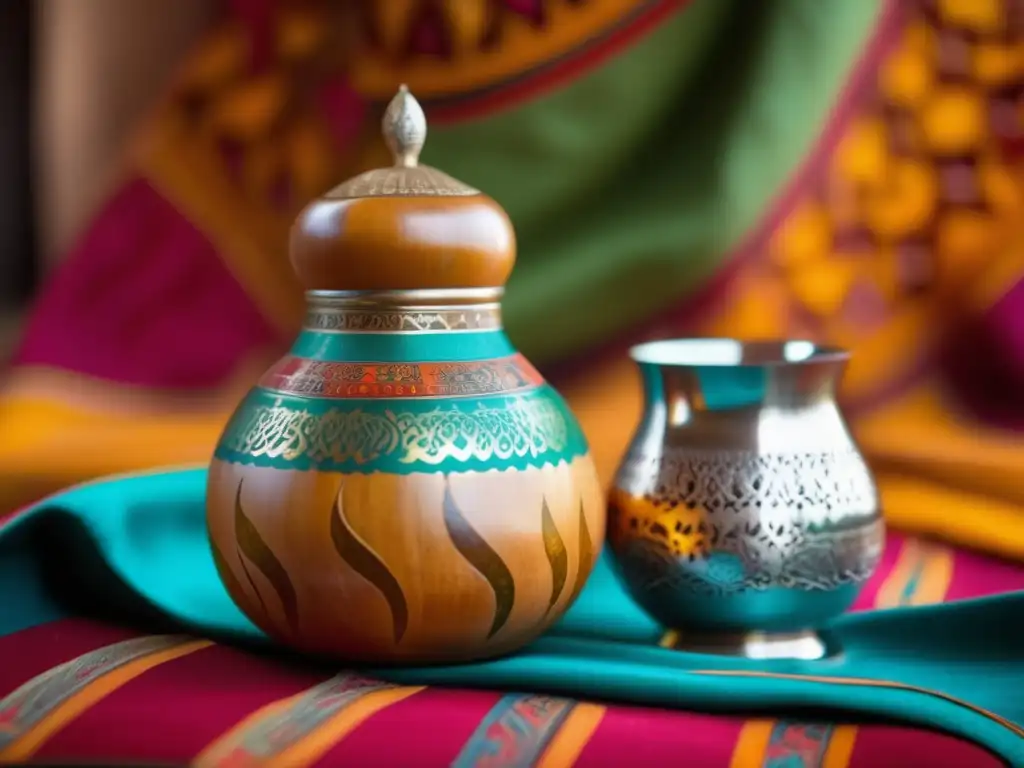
(734, 353)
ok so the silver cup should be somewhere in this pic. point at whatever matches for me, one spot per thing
(743, 514)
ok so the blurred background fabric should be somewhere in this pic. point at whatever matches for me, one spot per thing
(71, 104)
(848, 172)
(96, 68)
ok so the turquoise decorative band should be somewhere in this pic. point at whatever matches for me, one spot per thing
(402, 347)
(465, 434)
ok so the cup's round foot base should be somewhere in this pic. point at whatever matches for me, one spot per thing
(751, 645)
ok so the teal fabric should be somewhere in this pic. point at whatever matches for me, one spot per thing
(135, 548)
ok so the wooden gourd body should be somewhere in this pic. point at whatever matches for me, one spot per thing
(403, 486)
(387, 519)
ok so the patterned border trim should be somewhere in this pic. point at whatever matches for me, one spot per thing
(32, 713)
(721, 522)
(468, 434)
(316, 378)
(518, 729)
(399, 320)
(300, 729)
(801, 744)
(826, 485)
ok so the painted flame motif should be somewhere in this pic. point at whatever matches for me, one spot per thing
(227, 575)
(586, 557)
(255, 556)
(483, 558)
(554, 548)
(250, 544)
(368, 564)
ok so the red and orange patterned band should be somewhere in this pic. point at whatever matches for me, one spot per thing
(313, 378)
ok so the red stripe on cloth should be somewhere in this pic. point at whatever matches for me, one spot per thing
(642, 736)
(172, 712)
(883, 746)
(433, 725)
(32, 651)
(976, 575)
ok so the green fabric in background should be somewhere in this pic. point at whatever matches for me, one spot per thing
(631, 185)
(135, 549)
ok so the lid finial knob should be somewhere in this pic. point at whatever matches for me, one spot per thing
(359, 235)
(405, 128)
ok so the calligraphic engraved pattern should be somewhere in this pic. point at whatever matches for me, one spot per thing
(722, 521)
(518, 427)
(472, 379)
(414, 321)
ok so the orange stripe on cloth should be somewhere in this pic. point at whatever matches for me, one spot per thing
(752, 744)
(840, 747)
(47, 703)
(572, 737)
(299, 730)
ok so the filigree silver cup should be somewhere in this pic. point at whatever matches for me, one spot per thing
(743, 514)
